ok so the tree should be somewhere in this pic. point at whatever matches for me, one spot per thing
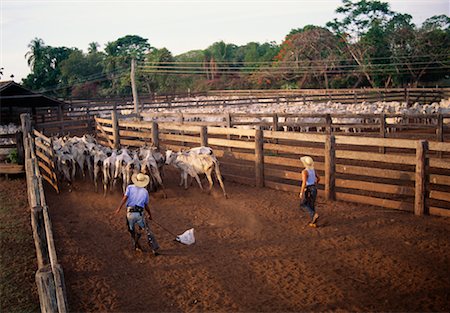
(362, 30)
(308, 56)
(118, 58)
(156, 73)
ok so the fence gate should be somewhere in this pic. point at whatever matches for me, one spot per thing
(46, 159)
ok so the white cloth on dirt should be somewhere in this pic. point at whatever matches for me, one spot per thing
(187, 237)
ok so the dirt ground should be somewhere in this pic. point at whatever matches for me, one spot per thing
(18, 291)
(253, 253)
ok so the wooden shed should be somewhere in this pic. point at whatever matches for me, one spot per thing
(15, 99)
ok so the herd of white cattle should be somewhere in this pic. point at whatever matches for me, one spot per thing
(216, 113)
(83, 156)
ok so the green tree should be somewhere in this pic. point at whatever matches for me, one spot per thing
(362, 29)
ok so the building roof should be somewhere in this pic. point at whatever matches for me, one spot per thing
(14, 95)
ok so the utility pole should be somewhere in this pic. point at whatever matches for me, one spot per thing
(134, 89)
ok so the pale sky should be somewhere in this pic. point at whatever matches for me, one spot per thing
(178, 25)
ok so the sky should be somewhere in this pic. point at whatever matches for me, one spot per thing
(178, 25)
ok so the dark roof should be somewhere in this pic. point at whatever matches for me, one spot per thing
(13, 94)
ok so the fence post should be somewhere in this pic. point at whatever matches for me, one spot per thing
(40, 238)
(275, 122)
(204, 136)
(440, 131)
(155, 134)
(382, 131)
(229, 125)
(46, 289)
(61, 120)
(421, 178)
(259, 157)
(328, 122)
(330, 167)
(115, 127)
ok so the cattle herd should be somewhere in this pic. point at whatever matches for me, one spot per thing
(83, 156)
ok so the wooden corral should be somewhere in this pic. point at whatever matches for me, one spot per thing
(402, 174)
(49, 276)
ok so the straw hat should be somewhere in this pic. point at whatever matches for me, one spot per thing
(140, 180)
(307, 162)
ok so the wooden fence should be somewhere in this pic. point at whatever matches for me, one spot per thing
(401, 174)
(46, 158)
(9, 143)
(49, 276)
(77, 115)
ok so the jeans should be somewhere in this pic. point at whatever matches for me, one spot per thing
(310, 200)
(138, 218)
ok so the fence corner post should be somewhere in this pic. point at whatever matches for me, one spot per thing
(204, 136)
(155, 134)
(115, 126)
(330, 167)
(420, 207)
(259, 157)
(382, 131)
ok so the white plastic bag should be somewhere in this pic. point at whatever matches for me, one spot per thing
(187, 237)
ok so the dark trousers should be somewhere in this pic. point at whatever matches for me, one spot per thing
(309, 201)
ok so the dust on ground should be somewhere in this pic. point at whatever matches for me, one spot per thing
(253, 253)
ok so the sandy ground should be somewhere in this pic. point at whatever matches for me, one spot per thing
(254, 253)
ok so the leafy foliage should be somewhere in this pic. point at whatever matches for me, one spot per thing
(368, 44)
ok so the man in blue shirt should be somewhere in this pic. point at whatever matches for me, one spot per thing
(136, 197)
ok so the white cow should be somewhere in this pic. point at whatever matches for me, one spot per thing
(194, 164)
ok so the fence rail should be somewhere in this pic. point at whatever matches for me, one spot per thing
(403, 174)
(49, 276)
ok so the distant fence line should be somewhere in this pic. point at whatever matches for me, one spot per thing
(85, 109)
(405, 175)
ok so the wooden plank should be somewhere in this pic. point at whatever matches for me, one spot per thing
(231, 143)
(290, 162)
(374, 172)
(440, 179)
(104, 128)
(44, 157)
(181, 127)
(440, 195)
(294, 149)
(133, 143)
(239, 179)
(385, 203)
(180, 138)
(103, 121)
(128, 133)
(175, 148)
(377, 187)
(283, 174)
(381, 142)
(46, 289)
(42, 136)
(145, 125)
(439, 212)
(45, 168)
(235, 155)
(440, 163)
(50, 181)
(377, 157)
(105, 136)
(294, 136)
(231, 131)
(439, 146)
(45, 148)
(288, 188)
(11, 168)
